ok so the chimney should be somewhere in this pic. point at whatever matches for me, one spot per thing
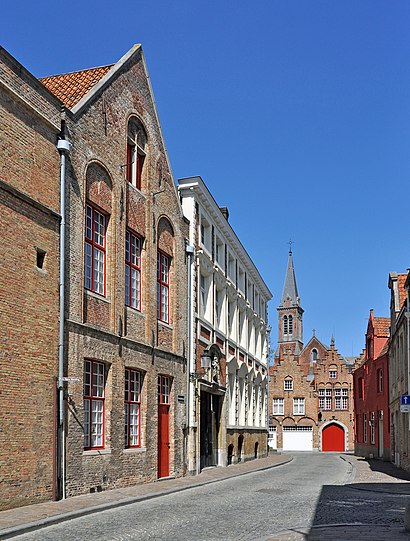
(225, 212)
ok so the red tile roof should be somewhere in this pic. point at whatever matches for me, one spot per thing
(382, 326)
(70, 88)
(402, 291)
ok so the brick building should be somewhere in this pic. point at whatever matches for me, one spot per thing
(311, 395)
(228, 349)
(126, 283)
(371, 392)
(399, 365)
(29, 278)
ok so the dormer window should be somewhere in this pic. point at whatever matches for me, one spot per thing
(136, 152)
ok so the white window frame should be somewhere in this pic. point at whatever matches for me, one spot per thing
(298, 406)
(278, 406)
(288, 384)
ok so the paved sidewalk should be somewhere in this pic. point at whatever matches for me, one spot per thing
(31, 517)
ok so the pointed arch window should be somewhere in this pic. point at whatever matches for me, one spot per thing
(285, 324)
(290, 325)
(136, 152)
(314, 355)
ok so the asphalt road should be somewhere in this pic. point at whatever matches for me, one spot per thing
(307, 491)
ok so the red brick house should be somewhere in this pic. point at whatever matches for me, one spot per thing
(311, 395)
(371, 392)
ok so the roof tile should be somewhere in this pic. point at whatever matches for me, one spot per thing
(70, 88)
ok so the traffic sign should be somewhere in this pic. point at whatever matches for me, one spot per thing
(405, 403)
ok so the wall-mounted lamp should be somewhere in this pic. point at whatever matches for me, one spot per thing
(206, 359)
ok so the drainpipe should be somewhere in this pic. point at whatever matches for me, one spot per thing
(63, 147)
(190, 251)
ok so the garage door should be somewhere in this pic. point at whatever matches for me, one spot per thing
(298, 438)
(333, 438)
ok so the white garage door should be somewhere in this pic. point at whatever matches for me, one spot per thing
(297, 438)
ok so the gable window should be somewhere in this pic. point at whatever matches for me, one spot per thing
(94, 381)
(136, 144)
(298, 406)
(94, 250)
(163, 263)
(314, 355)
(133, 271)
(132, 403)
(333, 374)
(288, 384)
(278, 406)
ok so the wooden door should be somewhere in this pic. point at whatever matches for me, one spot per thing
(381, 438)
(164, 444)
(333, 438)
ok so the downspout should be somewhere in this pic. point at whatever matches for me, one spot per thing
(190, 251)
(63, 147)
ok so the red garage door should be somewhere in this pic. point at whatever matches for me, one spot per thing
(333, 438)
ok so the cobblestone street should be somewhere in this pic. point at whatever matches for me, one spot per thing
(315, 496)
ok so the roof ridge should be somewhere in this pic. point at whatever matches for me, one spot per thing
(76, 71)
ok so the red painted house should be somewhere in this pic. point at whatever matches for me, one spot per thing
(371, 392)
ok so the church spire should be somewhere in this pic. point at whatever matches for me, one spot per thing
(290, 289)
(290, 315)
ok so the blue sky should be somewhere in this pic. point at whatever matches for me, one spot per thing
(295, 114)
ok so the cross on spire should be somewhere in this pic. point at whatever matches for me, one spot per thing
(290, 245)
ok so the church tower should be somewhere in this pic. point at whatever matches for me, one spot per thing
(290, 316)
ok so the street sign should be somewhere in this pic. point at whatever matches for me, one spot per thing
(405, 403)
(78, 379)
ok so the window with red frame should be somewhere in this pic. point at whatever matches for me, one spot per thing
(132, 408)
(163, 263)
(133, 270)
(94, 250)
(94, 381)
(164, 389)
(136, 144)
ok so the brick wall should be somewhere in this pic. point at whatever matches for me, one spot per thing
(29, 202)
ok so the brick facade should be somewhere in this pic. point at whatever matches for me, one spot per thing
(371, 393)
(100, 328)
(311, 386)
(29, 274)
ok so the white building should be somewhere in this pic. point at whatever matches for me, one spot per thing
(227, 401)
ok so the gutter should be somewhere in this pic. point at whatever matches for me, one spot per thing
(63, 147)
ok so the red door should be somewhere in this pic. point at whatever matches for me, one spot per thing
(333, 438)
(164, 384)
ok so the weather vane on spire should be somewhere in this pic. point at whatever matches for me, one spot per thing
(290, 246)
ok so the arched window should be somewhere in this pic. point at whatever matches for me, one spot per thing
(290, 331)
(136, 152)
(285, 324)
(314, 355)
